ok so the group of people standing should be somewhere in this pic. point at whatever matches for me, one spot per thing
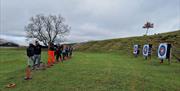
(56, 53)
(62, 52)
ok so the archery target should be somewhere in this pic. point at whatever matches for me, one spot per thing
(162, 51)
(145, 50)
(135, 49)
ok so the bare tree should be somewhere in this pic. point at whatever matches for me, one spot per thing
(47, 28)
(147, 26)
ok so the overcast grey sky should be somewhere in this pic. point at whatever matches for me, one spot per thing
(92, 19)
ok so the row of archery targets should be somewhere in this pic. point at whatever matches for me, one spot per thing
(163, 51)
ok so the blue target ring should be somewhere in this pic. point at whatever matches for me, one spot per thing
(162, 50)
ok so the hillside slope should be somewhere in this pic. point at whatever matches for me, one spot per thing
(125, 45)
(6, 43)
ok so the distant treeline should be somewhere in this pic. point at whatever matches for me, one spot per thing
(9, 44)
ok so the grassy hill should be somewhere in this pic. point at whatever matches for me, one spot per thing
(125, 45)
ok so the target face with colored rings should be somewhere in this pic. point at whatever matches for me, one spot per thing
(135, 49)
(162, 50)
(145, 50)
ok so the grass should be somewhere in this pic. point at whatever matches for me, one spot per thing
(90, 71)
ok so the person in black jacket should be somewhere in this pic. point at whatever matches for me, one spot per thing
(70, 51)
(37, 54)
(58, 53)
(30, 54)
(67, 51)
(64, 52)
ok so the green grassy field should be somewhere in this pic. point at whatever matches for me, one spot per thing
(90, 71)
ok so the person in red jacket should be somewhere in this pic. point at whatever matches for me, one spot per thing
(51, 59)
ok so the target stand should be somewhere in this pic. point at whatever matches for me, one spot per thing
(147, 48)
(164, 52)
(136, 50)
